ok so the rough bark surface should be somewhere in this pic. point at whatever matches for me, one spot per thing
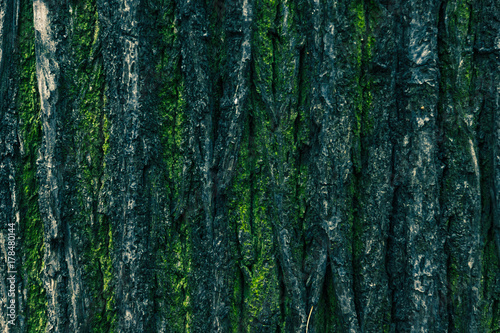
(251, 165)
(131, 158)
(11, 285)
(62, 279)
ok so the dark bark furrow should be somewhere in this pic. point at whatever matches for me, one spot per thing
(484, 101)
(11, 285)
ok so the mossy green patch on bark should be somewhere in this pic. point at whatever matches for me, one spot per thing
(30, 137)
(328, 319)
(269, 174)
(172, 298)
(177, 254)
(91, 134)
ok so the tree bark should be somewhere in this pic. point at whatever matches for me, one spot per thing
(251, 165)
(12, 284)
(131, 158)
(62, 280)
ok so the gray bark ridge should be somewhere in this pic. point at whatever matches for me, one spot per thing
(460, 193)
(212, 151)
(332, 114)
(193, 22)
(62, 281)
(376, 184)
(131, 155)
(417, 271)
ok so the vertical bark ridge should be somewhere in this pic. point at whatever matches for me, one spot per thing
(10, 253)
(460, 197)
(375, 179)
(334, 52)
(61, 274)
(199, 107)
(419, 286)
(130, 158)
(484, 98)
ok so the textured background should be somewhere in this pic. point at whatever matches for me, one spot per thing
(251, 165)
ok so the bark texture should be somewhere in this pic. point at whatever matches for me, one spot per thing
(11, 284)
(130, 159)
(54, 164)
(250, 165)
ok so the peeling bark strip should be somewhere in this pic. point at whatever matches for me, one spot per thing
(11, 285)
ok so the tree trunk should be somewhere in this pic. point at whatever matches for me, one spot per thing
(250, 165)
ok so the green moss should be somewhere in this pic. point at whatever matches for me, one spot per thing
(490, 321)
(172, 102)
(240, 218)
(269, 168)
(359, 21)
(239, 312)
(256, 291)
(173, 301)
(363, 124)
(263, 51)
(30, 134)
(362, 14)
(90, 137)
(327, 318)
